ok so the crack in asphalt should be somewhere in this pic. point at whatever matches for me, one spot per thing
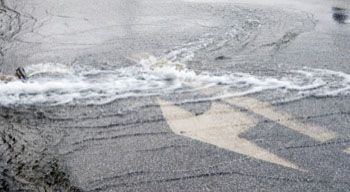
(329, 143)
(158, 119)
(121, 136)
(162, 148)
(218, 174)
(10, 26)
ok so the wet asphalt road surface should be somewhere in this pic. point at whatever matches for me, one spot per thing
(127, 143)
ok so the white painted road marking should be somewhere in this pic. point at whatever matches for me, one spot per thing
(220, 126)
(268, 111)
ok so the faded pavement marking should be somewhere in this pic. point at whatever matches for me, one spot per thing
(220, 126)
(268, 111)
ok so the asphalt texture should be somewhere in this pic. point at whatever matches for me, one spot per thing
(127, 144)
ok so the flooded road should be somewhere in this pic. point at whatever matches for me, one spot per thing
(191, 95)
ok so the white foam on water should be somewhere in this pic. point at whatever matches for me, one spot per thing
(311, 82)
(159, 76)
(92, 86)
(48, 68)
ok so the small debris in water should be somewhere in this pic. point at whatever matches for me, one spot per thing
(221, 58)
(340, 15)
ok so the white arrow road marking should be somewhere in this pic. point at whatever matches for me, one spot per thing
(268, 111)
(220, 126)
(347, 150)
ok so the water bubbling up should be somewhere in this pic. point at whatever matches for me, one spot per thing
(54, 84)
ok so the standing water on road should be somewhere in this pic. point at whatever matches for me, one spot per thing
(76, 125)
(55, 84)
(179, 69)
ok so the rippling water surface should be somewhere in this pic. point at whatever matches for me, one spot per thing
(65, 108)
(53, 84)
